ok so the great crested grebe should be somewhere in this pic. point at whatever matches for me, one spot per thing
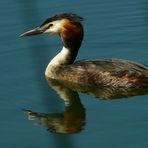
(104, 72)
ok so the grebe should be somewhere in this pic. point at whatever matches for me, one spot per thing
(105, 72)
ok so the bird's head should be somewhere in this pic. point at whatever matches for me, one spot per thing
(67, 25)
(61, 24)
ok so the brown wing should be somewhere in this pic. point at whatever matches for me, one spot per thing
(111, 72)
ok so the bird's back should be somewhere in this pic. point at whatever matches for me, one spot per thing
(110, 72)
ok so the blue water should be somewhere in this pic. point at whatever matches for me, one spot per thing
(113, 29)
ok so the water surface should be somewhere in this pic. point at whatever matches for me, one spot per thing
(113, 29)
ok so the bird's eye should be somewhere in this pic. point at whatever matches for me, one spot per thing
(50, 25)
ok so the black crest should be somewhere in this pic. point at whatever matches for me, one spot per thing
(70, 16)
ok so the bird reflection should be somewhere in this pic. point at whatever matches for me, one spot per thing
(72, 120)
(100, 92)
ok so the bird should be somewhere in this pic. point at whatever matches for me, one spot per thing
(96, 72)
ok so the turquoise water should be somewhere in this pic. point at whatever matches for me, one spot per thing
(113, 29)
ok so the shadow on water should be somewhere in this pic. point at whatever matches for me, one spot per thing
(35, 54)
(40, 53)
(72, 120)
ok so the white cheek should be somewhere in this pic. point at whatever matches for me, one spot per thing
(54, 29)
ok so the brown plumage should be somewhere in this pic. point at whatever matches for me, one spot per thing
(111, 72)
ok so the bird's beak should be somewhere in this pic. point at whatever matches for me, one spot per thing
(33, 32)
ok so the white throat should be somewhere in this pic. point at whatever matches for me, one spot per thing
(60, 59)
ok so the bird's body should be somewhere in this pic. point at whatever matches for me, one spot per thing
(109, 72)
(105, 72)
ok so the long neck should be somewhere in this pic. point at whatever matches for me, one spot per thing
(64, 57)
(71, 40)
(72, 36)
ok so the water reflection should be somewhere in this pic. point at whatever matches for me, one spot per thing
(72, 120)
